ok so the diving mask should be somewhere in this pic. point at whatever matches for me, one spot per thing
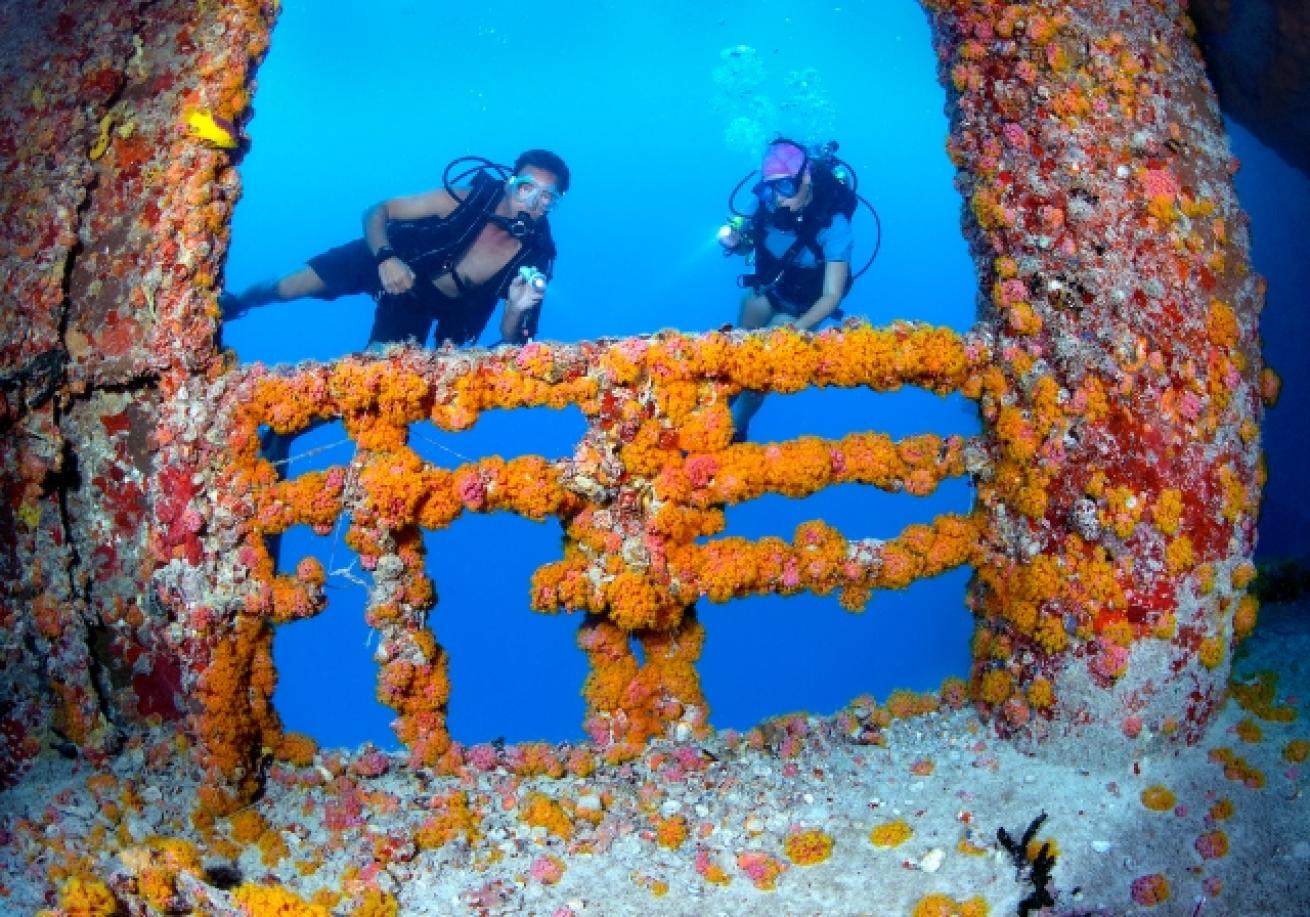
(772, 190)
(529, 193)
(775, 189)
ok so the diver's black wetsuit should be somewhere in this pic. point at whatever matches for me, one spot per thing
(432, 246)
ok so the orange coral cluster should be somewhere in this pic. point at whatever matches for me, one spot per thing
(235, 695)
(890, 834)
(87, 897)
(540, 811)
(630, 702)
(1158, 798)
(1259, 695)
(457, 816)
(257, 900)
(819, 560)
(651, 475)
(156, 865)
(808, 847)
(1237, 768)
(941, 905)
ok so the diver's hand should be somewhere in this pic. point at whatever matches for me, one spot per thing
(522, 296)
(396, 276)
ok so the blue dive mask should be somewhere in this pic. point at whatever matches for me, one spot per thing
(772, 190)
(528, 192)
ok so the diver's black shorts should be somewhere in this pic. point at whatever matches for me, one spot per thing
(349, 269)
(346, 270)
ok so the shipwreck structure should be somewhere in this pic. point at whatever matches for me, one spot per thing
(1115, 363)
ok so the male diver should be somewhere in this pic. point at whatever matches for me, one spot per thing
(799, 234)
(445, 256)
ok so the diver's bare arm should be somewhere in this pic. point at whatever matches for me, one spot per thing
(834, 288)
(395, 275)
(413, 207)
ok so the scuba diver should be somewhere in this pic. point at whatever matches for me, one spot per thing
(445, 256)
(800, 241)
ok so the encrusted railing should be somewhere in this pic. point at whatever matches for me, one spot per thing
(1116, 363)
(650, 476)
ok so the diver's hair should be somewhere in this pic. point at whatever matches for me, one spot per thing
(547, 161)
(831, 197)
(805, 148)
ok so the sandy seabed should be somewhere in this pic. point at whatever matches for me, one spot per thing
(704, 827)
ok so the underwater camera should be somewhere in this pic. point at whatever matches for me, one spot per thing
(533, 278)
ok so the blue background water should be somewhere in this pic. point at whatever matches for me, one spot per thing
(359, 102)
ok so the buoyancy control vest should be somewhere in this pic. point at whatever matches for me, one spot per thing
(433, 246)
(779, 276)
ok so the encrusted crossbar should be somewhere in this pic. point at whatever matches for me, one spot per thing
(651, 475)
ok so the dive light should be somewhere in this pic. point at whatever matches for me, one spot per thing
(533, 278)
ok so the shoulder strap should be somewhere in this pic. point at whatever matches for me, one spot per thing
(807, 236)
(484, 196)
(795, 249)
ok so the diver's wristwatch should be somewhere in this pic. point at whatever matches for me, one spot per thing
(384, 253)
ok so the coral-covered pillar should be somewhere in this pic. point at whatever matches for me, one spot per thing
(113, 227)
(1120, 506)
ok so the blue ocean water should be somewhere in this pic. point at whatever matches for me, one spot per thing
(658, 114)
(1277, 199)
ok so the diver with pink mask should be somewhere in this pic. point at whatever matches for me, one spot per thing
(798, 237)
